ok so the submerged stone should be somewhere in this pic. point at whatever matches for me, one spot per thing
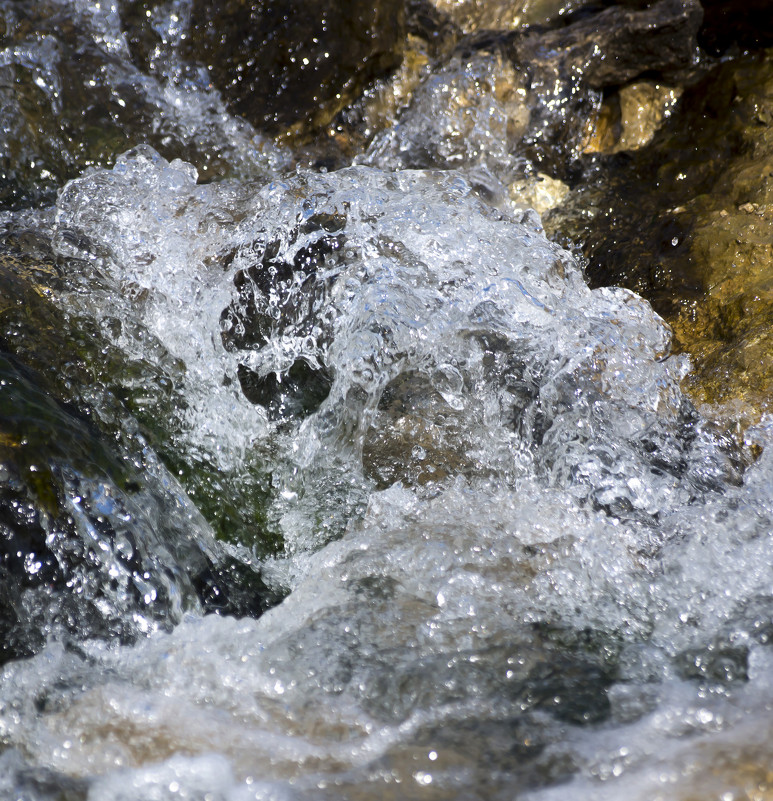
(77, 554)
(96, 537)
(630, 118)
(94, 542)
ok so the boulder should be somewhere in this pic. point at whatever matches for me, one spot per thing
(290, 65)
(687, 221)
(97, 538)
(616, 45)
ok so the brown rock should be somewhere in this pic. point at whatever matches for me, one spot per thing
(538, 92)
(616, 45)
(688, 222)
(475, 15)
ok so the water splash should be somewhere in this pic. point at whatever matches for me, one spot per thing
(500, 514)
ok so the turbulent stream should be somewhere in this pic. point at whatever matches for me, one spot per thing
(502, 553)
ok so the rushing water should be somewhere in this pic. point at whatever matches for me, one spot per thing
(514, 559)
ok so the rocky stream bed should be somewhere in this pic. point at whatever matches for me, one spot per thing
(385, 400)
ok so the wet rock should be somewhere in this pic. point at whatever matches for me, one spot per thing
(272, 291)
(473, 110)
(296, 393)
(70, 559)
(25, 781)
(96, 537)
(90, 546)
(629, 119)
(572, 690)
(539, 192)
(731, 24)
(416, 436)
(57, 114)
(431, 38)
(611, 48)
(71, 98)
(617, 44)
(536, 93)
(426, 21)
(474, 15)
(717, 663)
(380, 105)
(687, 222)
(292, 65)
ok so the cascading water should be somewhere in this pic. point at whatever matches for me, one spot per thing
(515, 560)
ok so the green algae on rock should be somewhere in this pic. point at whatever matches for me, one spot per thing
(96, 535)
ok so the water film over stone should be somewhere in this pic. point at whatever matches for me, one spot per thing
(385, 400)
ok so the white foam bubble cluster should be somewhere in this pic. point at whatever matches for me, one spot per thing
(427, 311)
(149, 242)
(446, 324)
(473, 111)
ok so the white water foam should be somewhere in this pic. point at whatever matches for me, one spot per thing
(517, 556)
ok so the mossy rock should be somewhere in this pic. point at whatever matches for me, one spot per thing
(74, 412)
